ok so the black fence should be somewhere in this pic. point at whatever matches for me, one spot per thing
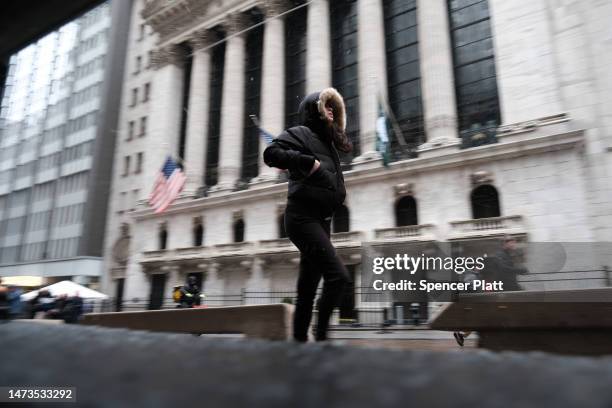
(355, 315)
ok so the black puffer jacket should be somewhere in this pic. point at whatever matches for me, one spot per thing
(298, 147)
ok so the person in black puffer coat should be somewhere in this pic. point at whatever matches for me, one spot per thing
(316, 189)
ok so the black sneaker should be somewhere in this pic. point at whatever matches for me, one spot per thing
(459, 338)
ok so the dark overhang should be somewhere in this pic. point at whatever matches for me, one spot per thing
(24, 21)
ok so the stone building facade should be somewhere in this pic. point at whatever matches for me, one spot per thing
(501, 125)
(57, 136)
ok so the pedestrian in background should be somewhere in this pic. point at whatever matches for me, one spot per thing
(43, 302)
(4, 305)
(500, 267)
(504, 266)
(190, 294)
(14, 301)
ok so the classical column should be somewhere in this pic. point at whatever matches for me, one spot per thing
(437, 82)
(165, 119)
(528, 72)
(175, 277)
(318, 51)
(372, 74)
(197, 120)
(212, 285)
(257, 281)
(272, 106)
(232, 105)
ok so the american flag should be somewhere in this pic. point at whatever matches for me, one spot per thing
(267, 137)
(168, 185)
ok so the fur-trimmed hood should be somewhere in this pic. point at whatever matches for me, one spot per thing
(312, 109)
(333, 97)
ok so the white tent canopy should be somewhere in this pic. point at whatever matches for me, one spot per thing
(66, 288)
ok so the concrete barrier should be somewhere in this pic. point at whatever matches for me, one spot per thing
(564, 321)
(272, 321)
(41, 321)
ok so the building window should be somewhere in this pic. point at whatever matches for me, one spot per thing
(9, 254)
(252, 90)
(403, 76)
(149, 58)
(134, 97)
(141, 31)
(295, 64)
(282, 233)
(126, 165)
(143, 126)
(198, 232)
(130, 130)
(239, 230)
(214, 114)
(138, 64)
(474, 65)
(138, 162)
(485, 202)
(187, 58)
(341, 221)
(163, 236)
(72, 183)
(406, 212)
(14, 226)
(122, 202)
(147, 92)
(343, 15)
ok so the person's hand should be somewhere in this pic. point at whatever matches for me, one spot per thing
(315, 166)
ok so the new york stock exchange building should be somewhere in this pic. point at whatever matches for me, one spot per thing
(500, 125)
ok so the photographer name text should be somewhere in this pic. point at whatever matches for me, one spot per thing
(426, 286)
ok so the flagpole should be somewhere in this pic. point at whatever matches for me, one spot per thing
(166, 148)
(255, 120)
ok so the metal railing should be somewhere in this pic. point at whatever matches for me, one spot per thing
(479, 135)
(486, 224)
(362, 315)
(409, 231)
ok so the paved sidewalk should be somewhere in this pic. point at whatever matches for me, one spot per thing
(121, 368)
(413, 339)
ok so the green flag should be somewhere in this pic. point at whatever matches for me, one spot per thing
(382, 135)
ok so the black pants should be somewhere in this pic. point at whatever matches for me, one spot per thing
(310, 233)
